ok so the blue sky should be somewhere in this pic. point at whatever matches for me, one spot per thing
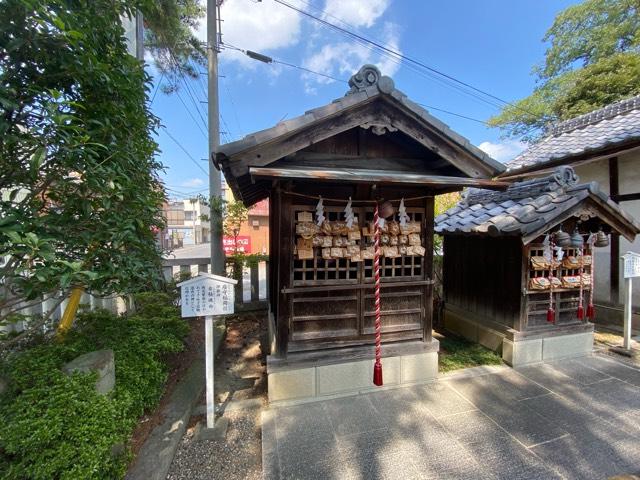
(490, 44)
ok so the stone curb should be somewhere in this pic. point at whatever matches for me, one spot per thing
(156, 455)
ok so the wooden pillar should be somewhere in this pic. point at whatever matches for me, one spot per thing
(284, 272)
(428, 268)
(614, 278)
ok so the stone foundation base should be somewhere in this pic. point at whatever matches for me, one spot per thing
(332, 377)
(525, 352)
(519, 349)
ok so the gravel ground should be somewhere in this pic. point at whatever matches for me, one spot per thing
(240, 374)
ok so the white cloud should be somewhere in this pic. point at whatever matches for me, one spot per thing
(193, 182)
(358, 13)
(503, 151)
(256, 26)
(343, 59)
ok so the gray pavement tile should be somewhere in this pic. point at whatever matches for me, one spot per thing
(579, 371)
(615, 395)
(292, 453)
(472, 427)
(352, 415)
(523, 423)
(387, 466)
(507, 459)
(575, 419)
(440, 399)
(508, 385)
(551, 379)
(303, 423)
(322, 470)
(576, 458)
(614, 369)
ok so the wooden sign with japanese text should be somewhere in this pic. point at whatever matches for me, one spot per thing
(207, 294)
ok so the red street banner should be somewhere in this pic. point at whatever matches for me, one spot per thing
(229, 244)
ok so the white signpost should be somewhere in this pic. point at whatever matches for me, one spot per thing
(208, 295)
(631, 270)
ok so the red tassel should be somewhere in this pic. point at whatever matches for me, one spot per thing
(580, 312)
(551, 315)
(377, 374)
(591, 312)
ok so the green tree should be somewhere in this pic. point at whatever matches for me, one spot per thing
(80, 194)
(593, 60)
(170, 38)
(235, 214)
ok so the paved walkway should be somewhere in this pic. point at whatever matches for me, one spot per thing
(573, 419)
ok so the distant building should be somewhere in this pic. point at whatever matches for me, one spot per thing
(254, 233)
(187, 223)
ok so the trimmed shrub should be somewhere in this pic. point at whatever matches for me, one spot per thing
(54, 426)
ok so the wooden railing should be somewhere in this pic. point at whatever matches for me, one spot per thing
(251, 292)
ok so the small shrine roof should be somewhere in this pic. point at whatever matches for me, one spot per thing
(529, 208)
(617, 124)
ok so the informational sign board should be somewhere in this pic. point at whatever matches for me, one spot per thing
(207, 294)
(243, 243)
(631, 265)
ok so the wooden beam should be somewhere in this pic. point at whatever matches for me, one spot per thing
(614, 272)
(375, 176)
(625, 197)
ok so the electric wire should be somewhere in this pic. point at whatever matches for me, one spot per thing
(395, 54)
(184, 150)
(233, 47)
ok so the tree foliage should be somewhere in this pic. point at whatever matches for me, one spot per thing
(170, 38)
(593, 60)
(80, 193)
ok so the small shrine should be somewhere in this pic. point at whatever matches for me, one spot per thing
(519, 265)
(351, 189)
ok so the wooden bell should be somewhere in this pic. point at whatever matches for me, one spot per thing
(602, 239)
(562, 239)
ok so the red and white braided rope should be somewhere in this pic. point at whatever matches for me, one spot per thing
(376, 270)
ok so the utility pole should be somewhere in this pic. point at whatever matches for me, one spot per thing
(215, 188)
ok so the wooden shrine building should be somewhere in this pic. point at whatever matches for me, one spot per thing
(501, 277)
(372, 145)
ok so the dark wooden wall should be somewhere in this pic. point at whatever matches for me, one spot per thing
(483, 275)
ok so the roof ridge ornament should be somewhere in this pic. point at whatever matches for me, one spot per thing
(368, 76)
(565, 176)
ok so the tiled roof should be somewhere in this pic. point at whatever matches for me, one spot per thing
(614, 124)
(526, 208)
(360, 92)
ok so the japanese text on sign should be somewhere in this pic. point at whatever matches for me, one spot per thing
(205, 296)
(631, 265)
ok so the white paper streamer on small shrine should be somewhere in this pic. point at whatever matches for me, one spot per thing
(402, 214)
(320, 212)
(559, 253)
(546, 249)
(348, 214)
(381, 222)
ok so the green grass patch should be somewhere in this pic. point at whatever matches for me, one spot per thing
(457, 353)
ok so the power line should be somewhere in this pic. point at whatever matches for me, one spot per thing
(390, 52)
(155, 92)
(184, 150)
(266, 59)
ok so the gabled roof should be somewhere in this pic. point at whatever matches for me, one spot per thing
(617, 124)
(368, 86)
(529, 208)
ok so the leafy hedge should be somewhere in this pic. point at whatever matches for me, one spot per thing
(54, 426)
